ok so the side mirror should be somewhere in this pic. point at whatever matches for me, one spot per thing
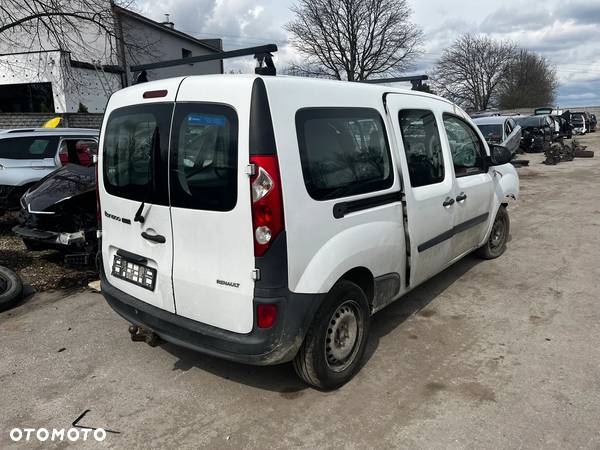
(499, 155)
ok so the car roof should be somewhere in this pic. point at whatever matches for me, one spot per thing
(291, 82)
(490, 120)
(28, 132)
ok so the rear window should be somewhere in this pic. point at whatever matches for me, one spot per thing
(344, 151)
(136, 145)
(204, 157)
(491, 132)
(29, 147)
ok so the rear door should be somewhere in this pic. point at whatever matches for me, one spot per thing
(213, 250)
(135, 141)
(428, 183)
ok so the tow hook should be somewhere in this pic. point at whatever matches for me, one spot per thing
(139, 334)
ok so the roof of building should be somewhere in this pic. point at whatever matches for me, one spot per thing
(209, 44)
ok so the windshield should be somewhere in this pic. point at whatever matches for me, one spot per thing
(491, 132)
(29, 147)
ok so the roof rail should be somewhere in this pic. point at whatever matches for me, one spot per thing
(21, 130)
(262, 54)
(416, 80)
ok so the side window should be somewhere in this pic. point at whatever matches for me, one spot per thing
(28, 147)
(466, 148)
(77, 151)
(422, 145)
(343, 151)
(204, 157)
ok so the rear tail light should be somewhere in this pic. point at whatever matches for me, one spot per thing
(266, 315)
(267, 202)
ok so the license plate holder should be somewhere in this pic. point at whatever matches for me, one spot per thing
(134, 273)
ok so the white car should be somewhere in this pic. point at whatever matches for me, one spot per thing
(265, 219)
(29, 154)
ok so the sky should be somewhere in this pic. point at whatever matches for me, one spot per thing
(566, 32)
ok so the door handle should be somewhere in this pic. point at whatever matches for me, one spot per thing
(461, 197)
(448, 202)
(154, 237)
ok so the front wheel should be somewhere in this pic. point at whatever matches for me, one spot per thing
(496, 243)
(335, 343)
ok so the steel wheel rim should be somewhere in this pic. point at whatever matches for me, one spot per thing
(498, 233)
(344, 334)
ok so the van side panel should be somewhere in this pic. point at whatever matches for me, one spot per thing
(321, 247)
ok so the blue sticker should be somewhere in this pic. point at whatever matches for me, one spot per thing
(203, 119)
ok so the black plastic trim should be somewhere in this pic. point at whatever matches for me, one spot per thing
(275, 345)
(343, 208)
(453, 231)
(262, 137)
(133, 257)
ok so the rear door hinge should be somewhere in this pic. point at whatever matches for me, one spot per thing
(255, 274)
(250, 170)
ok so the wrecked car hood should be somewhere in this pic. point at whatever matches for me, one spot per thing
(62, 184)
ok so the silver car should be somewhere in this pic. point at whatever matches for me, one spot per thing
(500, 130)
(29, 154)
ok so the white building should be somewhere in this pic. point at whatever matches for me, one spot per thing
(34, 80)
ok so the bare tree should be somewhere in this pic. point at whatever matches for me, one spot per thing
(471, 70)
(353, 39)
(86, 31)
(530, 80)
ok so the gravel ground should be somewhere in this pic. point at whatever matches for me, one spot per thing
(488, 354)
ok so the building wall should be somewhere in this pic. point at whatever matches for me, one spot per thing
(35, 120)
(164, 46)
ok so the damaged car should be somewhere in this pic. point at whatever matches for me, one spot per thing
(537, 132)
(500, 130)
(59, 213)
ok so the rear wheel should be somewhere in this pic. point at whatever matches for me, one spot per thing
(11, 289)
(335, 343)
(496, 243)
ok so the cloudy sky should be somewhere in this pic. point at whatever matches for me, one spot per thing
(567, 32)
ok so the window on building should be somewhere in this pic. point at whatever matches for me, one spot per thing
(27, 97)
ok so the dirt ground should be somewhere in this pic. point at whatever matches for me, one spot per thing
(488, 354)
(39, 270)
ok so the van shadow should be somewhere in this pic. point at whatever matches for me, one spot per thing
(282, 378)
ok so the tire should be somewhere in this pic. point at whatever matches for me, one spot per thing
(496, 243)
(11, 289)
(583, 153)
(335, 343)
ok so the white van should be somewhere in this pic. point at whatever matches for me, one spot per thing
(265, 219)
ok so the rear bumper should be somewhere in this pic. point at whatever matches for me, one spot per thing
(275, 345)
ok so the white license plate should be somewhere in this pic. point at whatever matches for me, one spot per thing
(135, 273)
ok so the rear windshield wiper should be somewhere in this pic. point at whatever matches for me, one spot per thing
(150, 186)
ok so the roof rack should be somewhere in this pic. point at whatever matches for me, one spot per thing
(416, 80)
(262, 54)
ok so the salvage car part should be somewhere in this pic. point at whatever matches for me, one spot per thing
(59, 213)
(11, 288)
